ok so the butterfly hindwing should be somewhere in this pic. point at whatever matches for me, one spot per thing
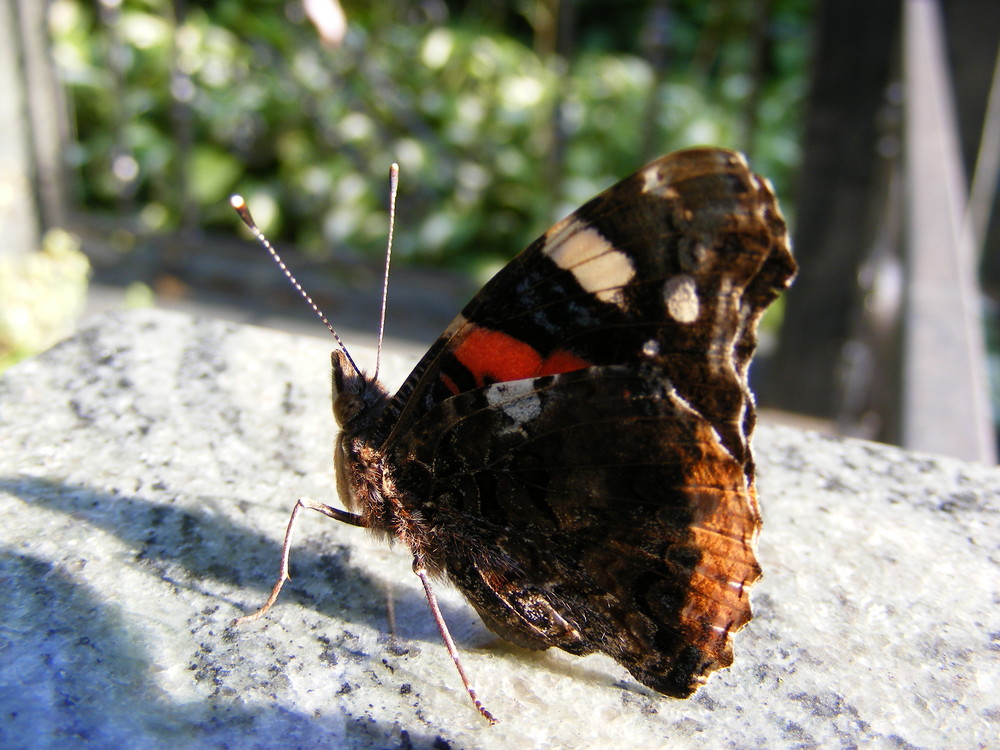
(595, 517)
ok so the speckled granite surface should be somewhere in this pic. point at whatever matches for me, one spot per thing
(147, 468)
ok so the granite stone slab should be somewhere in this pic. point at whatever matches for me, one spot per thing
(147, 468)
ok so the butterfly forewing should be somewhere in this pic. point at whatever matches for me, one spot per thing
(676, 262)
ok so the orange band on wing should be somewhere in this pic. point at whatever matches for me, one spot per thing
(495, 357)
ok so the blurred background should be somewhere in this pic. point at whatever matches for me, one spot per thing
(128, 123)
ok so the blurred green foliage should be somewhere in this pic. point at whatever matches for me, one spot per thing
(495, 139)
(41, 296)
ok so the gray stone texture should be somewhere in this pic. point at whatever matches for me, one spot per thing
(147, 468)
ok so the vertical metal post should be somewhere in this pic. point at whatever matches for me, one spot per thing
(946, 405)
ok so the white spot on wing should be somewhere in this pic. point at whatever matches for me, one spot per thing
(597, 265)
(517, 399)
(651, 179)
(681, 295)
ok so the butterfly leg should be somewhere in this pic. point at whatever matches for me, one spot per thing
(449, 643)
(303, 502)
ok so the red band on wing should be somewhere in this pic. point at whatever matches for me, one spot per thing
(495, 357)
(562, 361)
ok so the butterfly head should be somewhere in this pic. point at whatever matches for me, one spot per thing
(357, 399)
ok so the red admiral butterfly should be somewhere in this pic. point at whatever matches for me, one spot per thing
(573, 452)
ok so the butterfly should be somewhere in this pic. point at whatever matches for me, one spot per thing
(573, 452)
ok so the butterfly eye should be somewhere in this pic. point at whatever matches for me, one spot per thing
(346, 406)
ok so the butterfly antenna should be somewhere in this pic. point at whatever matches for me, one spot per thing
(393, 187)
(240, 205)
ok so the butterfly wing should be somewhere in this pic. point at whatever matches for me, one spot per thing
(577, 443)
(593, 511)
(676, 262)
